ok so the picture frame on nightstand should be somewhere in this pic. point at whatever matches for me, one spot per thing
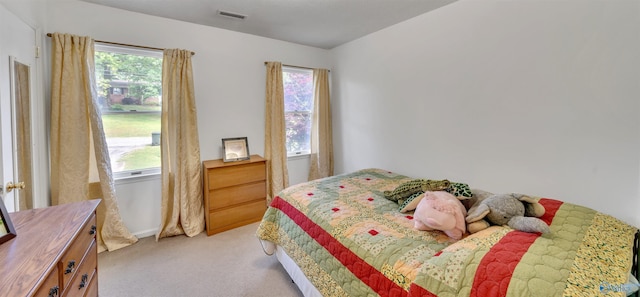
(235, 149)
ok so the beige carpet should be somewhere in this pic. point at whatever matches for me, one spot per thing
(227, 264)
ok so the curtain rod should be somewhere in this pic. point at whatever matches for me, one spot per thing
(294, 66)
(124, 44)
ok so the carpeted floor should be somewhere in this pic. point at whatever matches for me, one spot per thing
(227, 264)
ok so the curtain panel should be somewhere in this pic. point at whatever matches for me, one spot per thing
(182, 210)
(78, 147)
(321, 163)
(275, 149)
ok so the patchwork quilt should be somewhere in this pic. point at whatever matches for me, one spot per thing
(350, 240)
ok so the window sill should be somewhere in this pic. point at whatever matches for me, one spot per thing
(127, 179)
(298, 157)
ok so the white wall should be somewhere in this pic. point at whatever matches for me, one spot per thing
(139, 204)
(229, 81)
(537, 97)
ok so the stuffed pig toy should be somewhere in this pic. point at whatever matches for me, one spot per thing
(439, 210)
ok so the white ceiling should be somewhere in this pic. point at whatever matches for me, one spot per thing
(319, 23)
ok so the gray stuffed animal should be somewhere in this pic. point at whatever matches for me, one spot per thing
(518, 211)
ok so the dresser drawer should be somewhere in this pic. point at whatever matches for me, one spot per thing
(50, 287)
(237, 216)
(235, 175)
(92, 290)
(228, 196)
(73, 257)
(84, 274)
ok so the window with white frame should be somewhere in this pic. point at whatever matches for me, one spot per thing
(298, 109)
(131, 118)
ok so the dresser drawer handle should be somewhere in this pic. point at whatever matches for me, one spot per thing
(53, 292)
(83, 283)
(70, 266)
(93, 230)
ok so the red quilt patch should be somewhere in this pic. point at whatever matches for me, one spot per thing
(496, 268)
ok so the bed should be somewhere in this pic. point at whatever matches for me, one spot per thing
(339, 236)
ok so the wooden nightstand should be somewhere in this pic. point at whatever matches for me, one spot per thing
(234, 193)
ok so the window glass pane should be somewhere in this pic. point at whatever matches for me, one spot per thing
(129, 85)
(298, 108)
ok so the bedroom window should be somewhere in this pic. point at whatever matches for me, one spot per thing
(129, 86)
(298, 109)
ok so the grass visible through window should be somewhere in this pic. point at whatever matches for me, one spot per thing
(129, 136)
(131, 124)
(145, 157)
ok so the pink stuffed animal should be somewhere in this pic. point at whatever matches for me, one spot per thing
(440, 210)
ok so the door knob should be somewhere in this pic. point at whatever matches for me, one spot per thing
(10, 186)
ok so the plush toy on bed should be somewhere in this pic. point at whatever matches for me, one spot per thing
(408, 193)
(439, 210)
(518, 211)
(415, 186)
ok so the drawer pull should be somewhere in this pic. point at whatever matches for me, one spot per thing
(93, 230)
(53, 292)
(83, 283)
(70, 266)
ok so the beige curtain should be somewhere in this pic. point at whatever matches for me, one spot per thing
(275, 150)
(78, 145)
(182, 205)
(321, 132)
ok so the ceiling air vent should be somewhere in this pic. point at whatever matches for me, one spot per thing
(233, 15)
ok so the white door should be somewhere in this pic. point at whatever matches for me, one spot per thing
(18, 47)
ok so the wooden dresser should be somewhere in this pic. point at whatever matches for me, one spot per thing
(54, 253)
(234, 193)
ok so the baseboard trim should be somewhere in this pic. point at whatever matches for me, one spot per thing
(146, 233)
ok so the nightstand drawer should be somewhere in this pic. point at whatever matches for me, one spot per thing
(236, 175)
(237, 216)
(228, 196)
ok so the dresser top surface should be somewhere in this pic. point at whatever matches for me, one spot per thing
(42, 235)
(221, 163)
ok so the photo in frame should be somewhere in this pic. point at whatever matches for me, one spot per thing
(235, 149)
(7, 231)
